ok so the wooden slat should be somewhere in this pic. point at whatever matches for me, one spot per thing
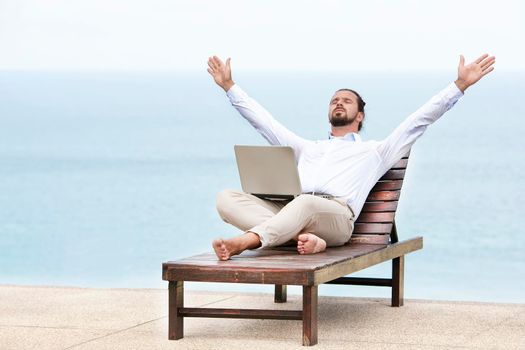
(383, 196)
(389, 185)
(401, 164)
(241, 313)
(381, 217)
(379, 206)
(373, 228)
(252, 274)
(393, 175)
(362, 281)
(369, 239)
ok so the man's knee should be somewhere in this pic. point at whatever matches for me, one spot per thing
(225, 203)
(305, 202)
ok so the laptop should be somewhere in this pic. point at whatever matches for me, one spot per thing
(268, 172)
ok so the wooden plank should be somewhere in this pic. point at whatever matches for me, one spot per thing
(242, 313)
(362, 281)
(383, 196)
(389, 185)
(349, 266)
(401, 164)
(379, 217)
(393, 175)
(175, 303)
(372, 228)
(378, 206)
(290, 263)
(246, 275)
(309, 315)
(369, 239)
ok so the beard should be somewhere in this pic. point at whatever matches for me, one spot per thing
(341, 119)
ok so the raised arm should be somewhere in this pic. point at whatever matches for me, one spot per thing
(273, 131)
(403, 137)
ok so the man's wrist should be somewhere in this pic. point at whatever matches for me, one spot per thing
(227, 85)
(461, 85)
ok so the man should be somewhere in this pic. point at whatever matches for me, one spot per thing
(343, 166)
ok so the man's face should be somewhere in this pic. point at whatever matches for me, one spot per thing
(343, 109)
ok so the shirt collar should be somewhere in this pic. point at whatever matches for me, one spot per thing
(351, 136)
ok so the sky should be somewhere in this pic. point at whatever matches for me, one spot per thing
(258, 35)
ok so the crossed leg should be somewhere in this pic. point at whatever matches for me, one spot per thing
(243, 211)
(313, 222)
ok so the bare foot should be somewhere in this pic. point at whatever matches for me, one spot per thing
(308, 243)
(222, 249)
(226, 248)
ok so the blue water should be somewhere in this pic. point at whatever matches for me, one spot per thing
(104, 176)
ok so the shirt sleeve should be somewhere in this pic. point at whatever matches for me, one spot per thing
(398, 143)
(273, 131)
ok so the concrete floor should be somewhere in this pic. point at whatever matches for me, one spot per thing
(80, 318)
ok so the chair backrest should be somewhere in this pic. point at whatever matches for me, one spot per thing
(375, 224)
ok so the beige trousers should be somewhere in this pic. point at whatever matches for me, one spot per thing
(278, 222)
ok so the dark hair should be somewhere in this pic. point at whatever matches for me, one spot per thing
(360, 105)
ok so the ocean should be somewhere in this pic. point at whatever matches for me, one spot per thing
(105, 175)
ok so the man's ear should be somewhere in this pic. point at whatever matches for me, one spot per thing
(360, 116)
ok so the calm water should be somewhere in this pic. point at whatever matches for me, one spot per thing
(103, 176)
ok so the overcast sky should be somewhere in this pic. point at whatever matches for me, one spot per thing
(262, 35)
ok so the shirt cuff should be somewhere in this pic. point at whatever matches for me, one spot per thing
(235, 93)
(454, 90)
(452, 94)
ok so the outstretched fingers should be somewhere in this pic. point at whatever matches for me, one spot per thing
(487, 62)
(485, 72)
(212, 64)
(481, 58)
(218, 62)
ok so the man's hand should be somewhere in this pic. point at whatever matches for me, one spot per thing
(471, 73)
(221, 73)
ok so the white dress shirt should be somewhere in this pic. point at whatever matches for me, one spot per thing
(344, 166)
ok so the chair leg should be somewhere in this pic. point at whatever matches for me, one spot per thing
(176, 301)
(280, 293)
(309, 315)
(398, 277)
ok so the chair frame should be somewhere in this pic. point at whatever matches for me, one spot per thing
(375, 240)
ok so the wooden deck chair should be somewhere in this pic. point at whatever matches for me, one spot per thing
(374, 241)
